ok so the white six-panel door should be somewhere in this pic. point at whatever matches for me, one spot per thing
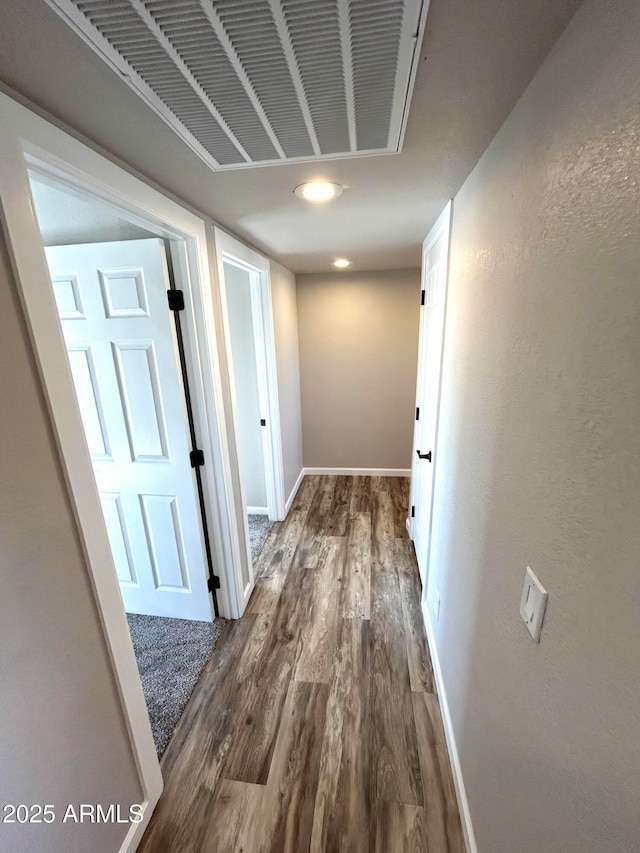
(434, 281)
(118, 330)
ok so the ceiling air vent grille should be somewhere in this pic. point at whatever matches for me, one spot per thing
(255, 82)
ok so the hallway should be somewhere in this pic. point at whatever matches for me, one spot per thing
(316, 725)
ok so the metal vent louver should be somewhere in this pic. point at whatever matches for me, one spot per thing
(253, 82)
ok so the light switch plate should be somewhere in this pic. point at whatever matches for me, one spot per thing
(533, 603)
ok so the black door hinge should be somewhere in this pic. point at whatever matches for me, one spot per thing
(413, 512)
(263, 422)
(176, 300)
(197, 458)
(213, 582)
(417, 413)
(422, 296)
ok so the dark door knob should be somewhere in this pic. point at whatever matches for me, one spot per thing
(426, 456)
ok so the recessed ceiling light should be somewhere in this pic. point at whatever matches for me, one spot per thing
(318, 191)
(341, 263)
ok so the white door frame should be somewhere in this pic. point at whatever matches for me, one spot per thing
(28, 141)
(442, 228)
(230, 250)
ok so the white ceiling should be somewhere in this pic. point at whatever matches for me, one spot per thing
(251, 82)
(476, 59)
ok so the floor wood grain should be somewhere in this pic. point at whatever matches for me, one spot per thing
(342, 816)
(443, 820)
(399, 491)
(262, 697)
(356, 592)
(235, 817)
(289, 803)
(418, 657)
(340, 506)
(315, 727)
(403, 829)
(395, 765)
(318, 640)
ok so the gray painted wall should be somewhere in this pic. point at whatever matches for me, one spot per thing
(248, 414)
(62, 735)
(538, 460)
(358, 358)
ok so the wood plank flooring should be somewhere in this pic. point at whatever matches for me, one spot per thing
(316, 727)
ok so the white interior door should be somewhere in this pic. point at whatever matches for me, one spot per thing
(119, 334)
(434, 281)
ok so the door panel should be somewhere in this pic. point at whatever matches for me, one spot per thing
(164, 536)
(68, 299)
(124, 293)
(140, 400)
(91, 408)
(434, 278)
(119, 334)
(119, 538)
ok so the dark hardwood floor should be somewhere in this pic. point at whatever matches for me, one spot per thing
(316, 725)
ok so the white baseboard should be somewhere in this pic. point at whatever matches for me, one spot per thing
(136, 830)
(361, 472)
(257, 510)
(463, 804)
(294, 491)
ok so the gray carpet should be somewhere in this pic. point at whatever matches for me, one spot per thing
(171, 654)
(259, 527)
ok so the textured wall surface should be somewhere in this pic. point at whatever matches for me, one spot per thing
(62, 735)
(538, 459)
(67, 218)
(358, 357)
(285, 323)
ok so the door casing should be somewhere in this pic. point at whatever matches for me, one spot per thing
(30, 142)
(230, 250)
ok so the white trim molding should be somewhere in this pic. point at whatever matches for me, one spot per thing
(28, 141)
(361, 472)
(230, 250)
(257, 510)
(294, 491)
(134, 836)
(463, 803)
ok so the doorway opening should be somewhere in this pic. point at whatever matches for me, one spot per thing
(246, 297)
(118, 285)
(29, 142)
